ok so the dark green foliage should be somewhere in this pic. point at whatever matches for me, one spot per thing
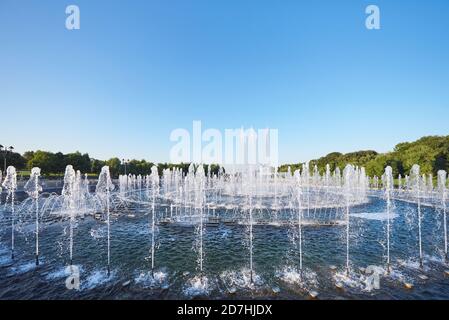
(79, 161)
(96, 165)
(114, 166)
(53, 164)
(336, 159)
(431, 153)
(12, 159)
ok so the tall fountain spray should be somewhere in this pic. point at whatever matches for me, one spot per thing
(416, 186)
(388, 184)
(250, 216)
(298, 195)
(103, 190)
(10, 183)
(275, 188)
(306, 179)
(155, 190)
(443, 191)
(348, 174)
(33, 188)
(199, 199)
(68, 192)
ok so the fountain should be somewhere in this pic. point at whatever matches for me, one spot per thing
(155, 190)
(298, 196)
(251, 222)
(416, 189)
(32, 188)
(199, 205)
(250, 197)
(348, 174)
(103, 189)
(68, 193)
(306, 178)
(388, 184)
(10, 183)
(443, 190)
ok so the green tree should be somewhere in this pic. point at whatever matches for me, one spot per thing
(13, 159)
(78, 161)
(96, 165)
(44, 160)
(114, 166)
(28, 155)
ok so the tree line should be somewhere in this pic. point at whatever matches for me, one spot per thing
(53, 164)
(431, 153)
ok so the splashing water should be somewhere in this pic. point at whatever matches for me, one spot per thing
(197, 286)
(10, 183)
(388, 182)
(103, 189)
(416, 187)
(32, 187)
(155, 279)
(443, 191)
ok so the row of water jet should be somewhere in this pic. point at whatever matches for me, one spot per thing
(271, 192)
(196, 191)
(75, 196)
(405, 188)
(75, 200)
(418, 189)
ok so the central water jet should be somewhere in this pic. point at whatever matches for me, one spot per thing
(68, 193)
(103, 190)
(33, 188)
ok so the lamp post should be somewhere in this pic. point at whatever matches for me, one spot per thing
(125, 162)
(5, 153)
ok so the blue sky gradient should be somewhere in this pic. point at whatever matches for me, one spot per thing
(136, 70)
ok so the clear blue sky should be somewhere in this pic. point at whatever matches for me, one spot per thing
(138, 69)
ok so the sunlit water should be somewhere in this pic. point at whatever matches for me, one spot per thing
(226, 259)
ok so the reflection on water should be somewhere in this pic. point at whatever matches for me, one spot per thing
(225, 271)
